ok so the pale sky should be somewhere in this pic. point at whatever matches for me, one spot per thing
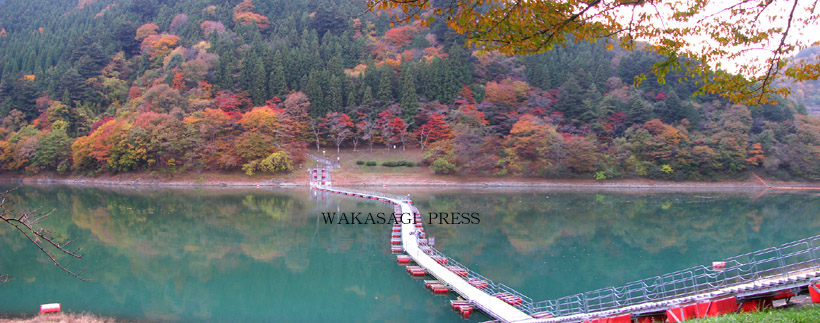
(804, 29)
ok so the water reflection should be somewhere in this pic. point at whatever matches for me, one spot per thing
(554, 244)
(206, 255)
(224, 255)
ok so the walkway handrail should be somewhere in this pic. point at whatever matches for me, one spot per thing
(492, 287)
(374, 194)
(788, 261)
(514, 312)
(326, 162)
(783, 261)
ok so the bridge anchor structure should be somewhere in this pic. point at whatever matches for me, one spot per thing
(748, 282)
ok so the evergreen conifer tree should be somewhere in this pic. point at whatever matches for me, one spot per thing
(367, 97)
(409, 99)
(334, 95)
(385, 94)
(314, 92)
(277, 85)
(570, 98)
(259, 82)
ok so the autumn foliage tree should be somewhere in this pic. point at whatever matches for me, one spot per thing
(146, 30)
(393, 129)
(269, 141)
(54, 150)
(402, 129)
(507, 93)
(209, 27)
(756, 156)
(691, 35)
(186, 93)
(178, 82)
(215, 128)
(366, 128)
(401, 35)
(108, 147)
(233, 104)
(243, 14)
(168, 140)
(157, 46)
(434, 129)
(339, 127)
(533, 147)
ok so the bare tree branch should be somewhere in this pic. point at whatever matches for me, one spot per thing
(775, 60)
(27, 223)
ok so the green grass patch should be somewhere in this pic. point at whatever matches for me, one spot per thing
(806, 314)
(350, 161)
(370, 163)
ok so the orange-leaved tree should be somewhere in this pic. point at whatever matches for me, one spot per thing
(434, 129)
(700, 37)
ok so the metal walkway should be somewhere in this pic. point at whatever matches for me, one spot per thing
(491, 305)
(792, 265)
(764, 272)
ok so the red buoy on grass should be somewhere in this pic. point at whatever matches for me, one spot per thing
(50, 308)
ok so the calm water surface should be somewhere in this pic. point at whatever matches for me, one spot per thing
(265, 255)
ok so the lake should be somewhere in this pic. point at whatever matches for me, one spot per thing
(257, 255)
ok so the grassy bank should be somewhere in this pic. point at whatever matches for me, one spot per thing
(355, 171)
(61, 317)
(805, 314)
(348, 159)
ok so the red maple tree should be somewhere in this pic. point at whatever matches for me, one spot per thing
(433, 130)
(392, 129)
(339, 127)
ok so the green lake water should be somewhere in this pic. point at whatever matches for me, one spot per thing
(226, 255)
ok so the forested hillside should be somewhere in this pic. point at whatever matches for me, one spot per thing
(111, 86)
(807, 92)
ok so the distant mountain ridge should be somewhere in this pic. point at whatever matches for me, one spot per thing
(808, 92)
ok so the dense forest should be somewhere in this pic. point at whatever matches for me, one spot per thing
(807, 92)
(106, 86)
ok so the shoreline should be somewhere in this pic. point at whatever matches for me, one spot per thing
(386, 180)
